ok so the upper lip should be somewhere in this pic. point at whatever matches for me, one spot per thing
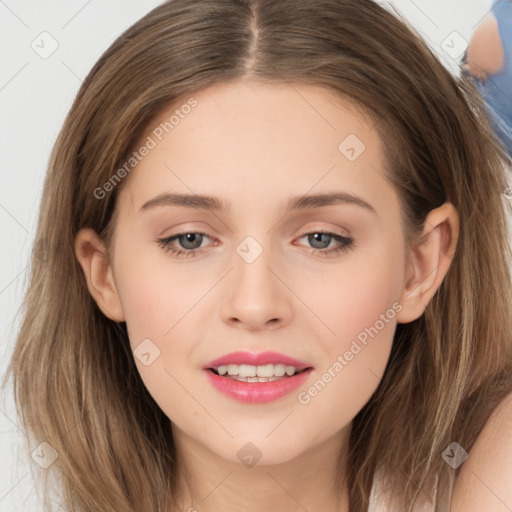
(258, 359)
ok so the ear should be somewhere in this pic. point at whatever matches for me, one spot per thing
(430, 259)
(93, 257)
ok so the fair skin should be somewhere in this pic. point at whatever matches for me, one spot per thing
(485, 54)
(484, 479)
(255, 147)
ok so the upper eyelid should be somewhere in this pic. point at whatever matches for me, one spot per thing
(334, 231)
(302, 234)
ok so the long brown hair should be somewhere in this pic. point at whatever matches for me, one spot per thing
(76, 383)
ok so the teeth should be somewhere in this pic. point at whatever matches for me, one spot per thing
(232, 369)
(250, 371)
(255, 379)
(280, 369)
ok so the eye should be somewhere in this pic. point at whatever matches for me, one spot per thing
(321, 240)
(189, 241)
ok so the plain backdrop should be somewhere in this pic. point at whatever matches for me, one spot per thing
(36, 91)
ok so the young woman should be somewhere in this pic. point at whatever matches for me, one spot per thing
(277, 273)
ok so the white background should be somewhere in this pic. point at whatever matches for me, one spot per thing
(35, 95)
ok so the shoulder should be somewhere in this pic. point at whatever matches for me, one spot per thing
(484, 481)
(485, 51)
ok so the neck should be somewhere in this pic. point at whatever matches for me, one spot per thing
(209, 482)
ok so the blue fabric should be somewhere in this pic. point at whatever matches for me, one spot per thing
(497, 88)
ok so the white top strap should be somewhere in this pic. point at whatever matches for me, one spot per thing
(381, 499)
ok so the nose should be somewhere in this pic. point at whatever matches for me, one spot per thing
(258, 297)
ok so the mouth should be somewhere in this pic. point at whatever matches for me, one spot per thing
(256, 377)
(257, 389)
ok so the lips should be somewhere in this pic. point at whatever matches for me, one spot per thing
(266, 389)
(257, 392)
(259, 359)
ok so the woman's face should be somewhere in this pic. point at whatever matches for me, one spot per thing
(255, 274)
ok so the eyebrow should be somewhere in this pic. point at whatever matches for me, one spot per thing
(211, 203)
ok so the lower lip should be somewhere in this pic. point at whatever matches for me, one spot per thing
(257, 392)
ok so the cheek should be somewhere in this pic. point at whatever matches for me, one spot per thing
(355, 297)
(358, 310)
(158, 302)
(367, 307)
(155, 294)
(155, 303)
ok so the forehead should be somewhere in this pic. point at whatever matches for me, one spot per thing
(255, 140)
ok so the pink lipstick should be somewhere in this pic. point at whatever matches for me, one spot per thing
(256, 378)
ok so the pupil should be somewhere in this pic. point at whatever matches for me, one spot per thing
(316, 237)
(189, 239)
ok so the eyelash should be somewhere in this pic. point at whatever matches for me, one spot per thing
(346, 244)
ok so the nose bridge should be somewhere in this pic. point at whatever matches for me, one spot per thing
(252, 264)
(257, 296)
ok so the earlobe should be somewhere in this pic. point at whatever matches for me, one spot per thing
(429, 261)
(93, 258)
